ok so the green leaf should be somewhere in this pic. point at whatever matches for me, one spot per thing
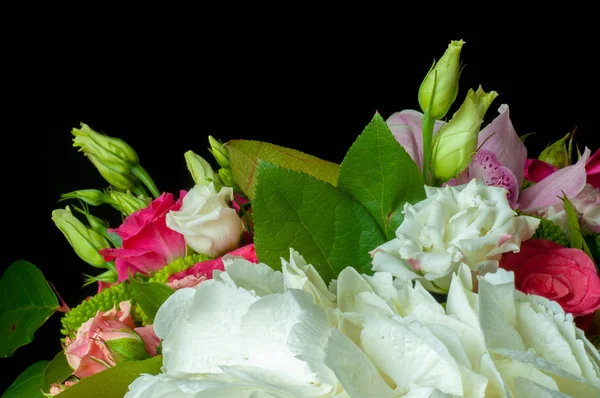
(150, 296)
(26, 302)
(381, 175)
(244, 156)
(575, 236)
(113, 382)
(58, 371)
(29, 383)
(329, 228)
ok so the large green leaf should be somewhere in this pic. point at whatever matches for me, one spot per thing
(26, 302)
(244, 156)
(381, 175)
(329, 228)
(58, 371)
(150, 296)
(112, 382)
(577, 240)
(29, 383)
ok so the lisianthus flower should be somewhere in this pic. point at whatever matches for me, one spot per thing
(253, 331)
(470, 224)
(148, 244)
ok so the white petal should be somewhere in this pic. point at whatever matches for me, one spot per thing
(259, 278)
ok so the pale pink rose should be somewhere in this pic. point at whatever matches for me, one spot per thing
(587, 206)
(91, 351)
(151, 340)
(148, 244)
(56, 388)
(204, 270)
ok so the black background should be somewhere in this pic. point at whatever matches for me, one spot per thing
(165, 89)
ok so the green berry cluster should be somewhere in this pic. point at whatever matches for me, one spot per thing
(548, 230)
(176, 266)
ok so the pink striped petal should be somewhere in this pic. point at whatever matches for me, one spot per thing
(503, 141)
(592, 168)
(570, 180)
(407, 128)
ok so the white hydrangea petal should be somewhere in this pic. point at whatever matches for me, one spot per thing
(497, 310)
(353, 369)
(382, 284)
(462, 304)
(496, 386)
(410, 355)
(259, 278)
(209, 335)
(426, 392)
(511, 369)
(286, 334)
(409, 298)
(525, 388)
(392, 263)
(349, 284)
(297, 274)
(474, 384)
(175, 308)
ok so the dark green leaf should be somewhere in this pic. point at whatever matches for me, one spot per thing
(326, 226)
(381, 175)
(26, 302)
(150, 296)
(112, 382)
(244, 156)
(29, 383)
(575, 236)
(58, 371)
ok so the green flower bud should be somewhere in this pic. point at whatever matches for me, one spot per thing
(126, 345)
(440, 86)
(85, 241)
(126, 203)
(218, 150)
(456, 142)
(92, 197)
(556, 154)
(227, 178)
(201, 171)
(122, 182)
(109, 276)
(113, 153)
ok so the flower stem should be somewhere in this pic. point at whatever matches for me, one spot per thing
(143, 175)
(427, 131)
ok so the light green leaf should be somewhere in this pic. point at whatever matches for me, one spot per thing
(381, 175)
(112, 382)
(58, 371)
(575, 236)
(244, 156)
(326, 226)
(150, 296)
(26, 302)
(29, 383)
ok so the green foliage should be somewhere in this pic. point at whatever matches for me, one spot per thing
(329, 228)
(150, 296)
(548, 230)
(29, 384)
(244, 156)
(26, 302)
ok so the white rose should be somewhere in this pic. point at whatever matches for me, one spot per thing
(471, 224)
(207, 222)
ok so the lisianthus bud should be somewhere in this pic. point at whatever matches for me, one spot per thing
(456, 142)
(226, 177)
(126, 203)
(556, 154)
(92, 197)
(201, 171)
(113, 153)
(85, 241)
(122, 182)
(219, 151)
(440, 86)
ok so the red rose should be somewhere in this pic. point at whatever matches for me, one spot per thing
(148, 244)
(567, 276)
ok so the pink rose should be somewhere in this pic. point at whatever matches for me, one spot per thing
(148, 244)
(567, 276)
(204, 270)
(103, 341)
(151, 340)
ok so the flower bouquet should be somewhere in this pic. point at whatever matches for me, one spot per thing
(437, 260)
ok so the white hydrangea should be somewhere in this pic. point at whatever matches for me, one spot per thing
(470, 224)
(252, 332)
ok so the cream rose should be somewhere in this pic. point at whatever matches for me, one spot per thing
(207, 222)
(471, 224)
